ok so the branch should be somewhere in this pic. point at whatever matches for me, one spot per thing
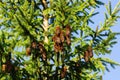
(45, 20)
(44, 3)
(26, 32)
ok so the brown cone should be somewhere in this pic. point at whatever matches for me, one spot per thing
(28, 51)
(42, 51)
(90, 51)
(63, 72)
(68, 30)
(58, 30)
(34, 45)
(68, 40)
(86, 56)
(44, 56)
(4, 67)
(62, 36)
(56, 47)
(56, 39)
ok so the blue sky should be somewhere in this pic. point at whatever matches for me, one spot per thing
(114, 74)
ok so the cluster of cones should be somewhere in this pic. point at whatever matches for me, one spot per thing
(88, 54)
(8, 65)
(40, 50)
(60, 37)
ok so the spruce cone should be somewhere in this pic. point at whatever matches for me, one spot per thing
(56, 39)
(86, 56)
(41, 48)
(44, 57)
(58, 30)
(63, 72)
(90, 51)
(4, 67)
(68, 40)
(62, 36)
(56, 47)
(68, 30)
(34, 45)
(28, 51)
(42, 51)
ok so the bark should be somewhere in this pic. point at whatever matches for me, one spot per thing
(45, 20)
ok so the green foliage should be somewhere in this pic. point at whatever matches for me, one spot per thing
(28, 39)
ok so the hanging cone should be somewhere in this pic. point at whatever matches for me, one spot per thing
(90, 51)
(86, 56)
(34, 45)
(62, 36)
(4, 67)
(68, 40)
(63, 72)
(68, 30)
(28, 51)
(58, 30)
